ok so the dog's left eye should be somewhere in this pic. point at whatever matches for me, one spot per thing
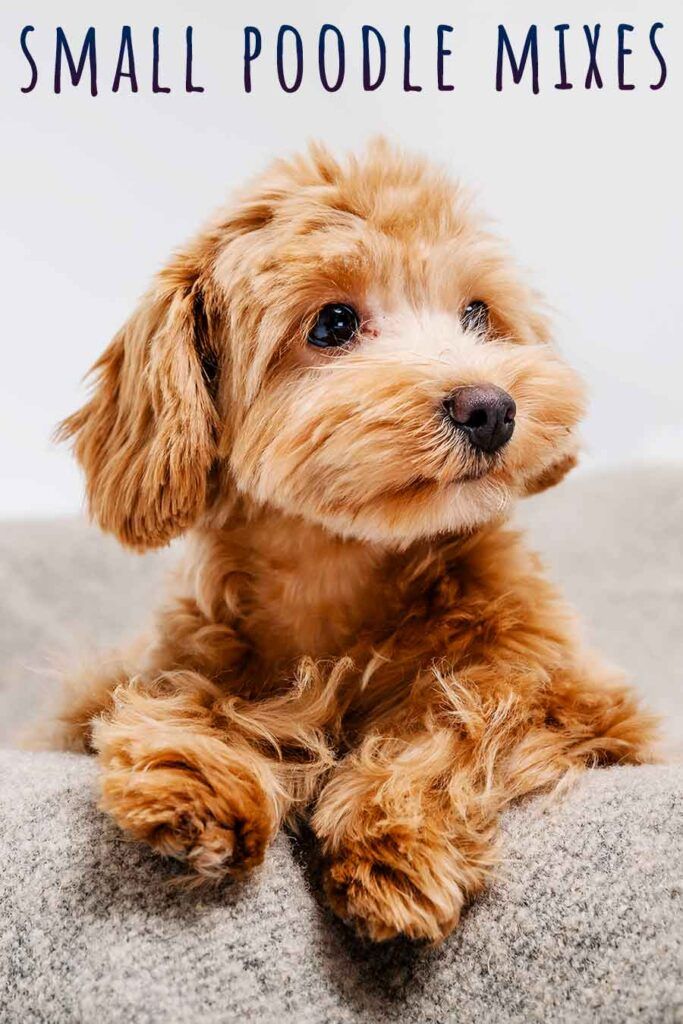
(335, 325)
(475, 316)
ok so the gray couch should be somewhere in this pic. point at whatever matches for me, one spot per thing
(584, 923)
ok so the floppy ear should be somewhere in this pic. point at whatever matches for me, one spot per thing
(147, 438)
(551, 476)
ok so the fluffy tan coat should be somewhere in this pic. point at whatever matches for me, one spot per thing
(356, 636)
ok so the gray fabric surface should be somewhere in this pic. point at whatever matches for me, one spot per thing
(614, 541)
(584, 924)
(66, 590)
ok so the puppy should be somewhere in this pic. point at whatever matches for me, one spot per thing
(338, 390)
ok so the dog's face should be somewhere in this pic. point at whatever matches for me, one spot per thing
(346, 344)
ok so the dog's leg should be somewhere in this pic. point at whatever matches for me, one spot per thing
(200, 776)
(407, 834)
(595, 718)
(407, 821)
(172, 777)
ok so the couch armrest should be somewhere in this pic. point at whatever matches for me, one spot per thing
(583, 925)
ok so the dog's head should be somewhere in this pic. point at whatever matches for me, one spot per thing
(346, 344)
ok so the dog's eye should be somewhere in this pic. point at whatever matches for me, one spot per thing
(335, 324)
(475, 316)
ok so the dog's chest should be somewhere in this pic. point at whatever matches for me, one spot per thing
(310, 596)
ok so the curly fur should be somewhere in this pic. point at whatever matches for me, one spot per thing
(356, 636)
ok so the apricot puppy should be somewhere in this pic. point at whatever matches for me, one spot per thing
(339, 389)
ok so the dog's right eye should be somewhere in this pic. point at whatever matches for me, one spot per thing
(335, 324)
(475, 316)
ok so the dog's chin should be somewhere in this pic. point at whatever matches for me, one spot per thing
(484, 467)
(422, 512)
(483, 492)
(480, 492)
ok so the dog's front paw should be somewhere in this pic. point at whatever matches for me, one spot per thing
(386, 888)
(217, 826)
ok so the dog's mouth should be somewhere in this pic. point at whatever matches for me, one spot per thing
(481, 464)
(471, 476)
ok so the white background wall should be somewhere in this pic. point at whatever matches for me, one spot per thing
(97, 191)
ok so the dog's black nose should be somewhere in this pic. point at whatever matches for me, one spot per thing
(485, 413)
